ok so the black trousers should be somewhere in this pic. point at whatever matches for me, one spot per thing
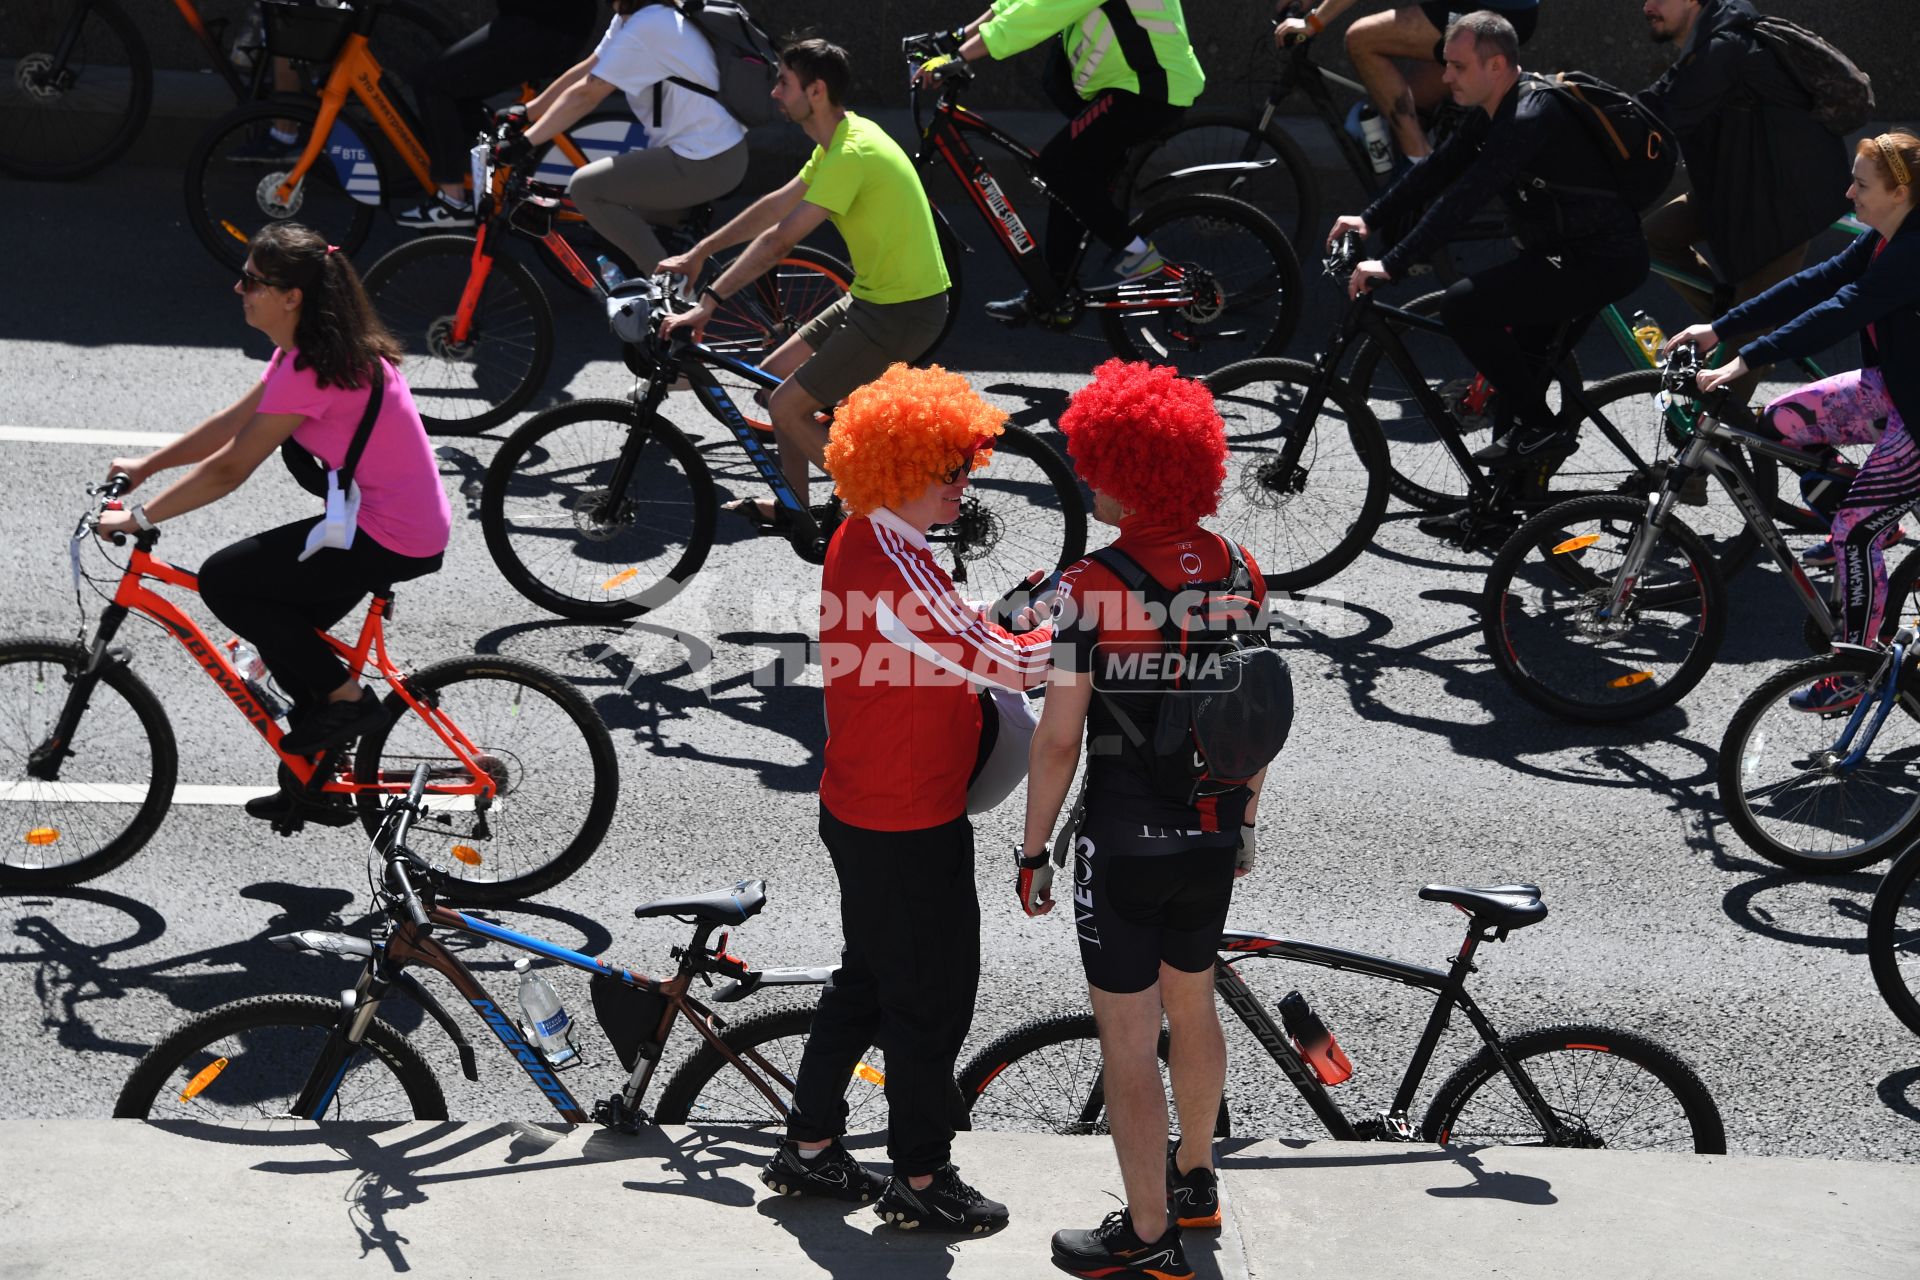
(1080, 163)
(906, 983)
(1504, 318)
(272, 599)
(452, 89)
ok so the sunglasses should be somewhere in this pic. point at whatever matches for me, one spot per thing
(249, 282)
(952, 475)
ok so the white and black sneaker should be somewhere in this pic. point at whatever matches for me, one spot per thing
(834, 1173)
(945, 1204)
(1523, 445)
(436, 213)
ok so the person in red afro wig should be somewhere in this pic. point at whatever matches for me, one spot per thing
(1149, 439)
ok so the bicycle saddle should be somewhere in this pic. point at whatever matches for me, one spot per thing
(729, 906)
(1511, 906)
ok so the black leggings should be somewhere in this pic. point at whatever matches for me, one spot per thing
(1080, 163)
(452, 90)
(275, 601)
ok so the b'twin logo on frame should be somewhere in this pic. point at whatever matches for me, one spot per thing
(996, 201)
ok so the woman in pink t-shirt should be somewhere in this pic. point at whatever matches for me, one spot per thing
(300, 292)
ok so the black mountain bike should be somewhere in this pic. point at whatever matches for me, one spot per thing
(1571, 1085)
(1893, 934)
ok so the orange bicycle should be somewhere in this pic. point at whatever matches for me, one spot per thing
(342, 165)
(521, 775)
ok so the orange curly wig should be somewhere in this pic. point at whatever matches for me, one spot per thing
(1150, 439)
(902, 431)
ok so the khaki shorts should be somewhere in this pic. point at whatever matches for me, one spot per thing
(854, 341)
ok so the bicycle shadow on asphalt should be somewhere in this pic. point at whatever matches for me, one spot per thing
(1489, 1184)
(1900, 1091)
(1846, 896)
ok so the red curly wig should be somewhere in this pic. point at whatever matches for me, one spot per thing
(902, 431)
(1150, 439)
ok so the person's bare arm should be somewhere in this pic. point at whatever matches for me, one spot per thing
(202, 442)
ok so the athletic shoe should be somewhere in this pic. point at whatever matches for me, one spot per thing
(833, 1173)
(1015, 312)
(1821, 555)
(1829, 695)
(1193, 1197)
(945, 1204)
(435, 213)
(265, 151)
(1524, 445)
(334, 724)
(1456, 526)
(1135, 266)
(329, 809)
(1112, 1249)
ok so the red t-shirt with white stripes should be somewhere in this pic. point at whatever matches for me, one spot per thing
(903, 656)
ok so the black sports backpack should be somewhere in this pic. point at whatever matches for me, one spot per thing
(1640, 151)
(1842, 93)
(748, 59)
(1226, 714)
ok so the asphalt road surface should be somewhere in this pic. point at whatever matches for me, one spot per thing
(1410, 761)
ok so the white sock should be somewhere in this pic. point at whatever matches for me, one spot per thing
(287, 138)
(1136, 245)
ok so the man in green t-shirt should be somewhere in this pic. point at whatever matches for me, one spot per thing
(897, 303)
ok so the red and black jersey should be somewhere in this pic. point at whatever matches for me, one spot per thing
(1100, 624)
(903, 657)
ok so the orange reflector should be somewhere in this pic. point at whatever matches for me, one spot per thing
(625, 575)
(233, 231)
(43, 835)
(872, 1075)
(1597, 1048)
(466, 853)
(1629, 680)
(1576, 544)
(201, 1081)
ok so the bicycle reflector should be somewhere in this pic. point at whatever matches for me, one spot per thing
(1630, 679)
(233, 231)
(206, 1077)
(43, 836)
(467, 854)
(871, 1074)
(1576, 544)
(625, 575)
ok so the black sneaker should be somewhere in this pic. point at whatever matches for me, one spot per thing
(1193, 1197)
(333, 724)
(1015, 312)
(266, 151)
(331, 810)
(1112, 1249)
(1522, 445)
(436, 213)
(834, 1172)
(945, 1204)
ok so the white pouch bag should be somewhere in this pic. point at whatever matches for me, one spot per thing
(341, 521)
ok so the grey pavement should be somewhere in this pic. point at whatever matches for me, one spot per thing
(474, 1199)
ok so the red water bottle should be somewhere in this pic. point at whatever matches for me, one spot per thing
(1322, 1052)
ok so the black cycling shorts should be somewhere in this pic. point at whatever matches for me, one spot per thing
(1441, 12)
(1133, 913)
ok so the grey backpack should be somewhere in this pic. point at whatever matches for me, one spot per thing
(749, 62)
(1842, 93)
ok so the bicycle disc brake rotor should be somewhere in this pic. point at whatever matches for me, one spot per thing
(266, 196)
(589, 521)
(443, 345)
(1209, 299)
(30, 76)
(1268, 484)
(977, 532)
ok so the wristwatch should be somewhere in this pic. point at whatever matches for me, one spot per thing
(708, 291)
(139, 513)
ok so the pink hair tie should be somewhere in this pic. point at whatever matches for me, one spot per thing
(333, 248)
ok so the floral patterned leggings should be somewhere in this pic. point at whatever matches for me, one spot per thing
(1853, 408)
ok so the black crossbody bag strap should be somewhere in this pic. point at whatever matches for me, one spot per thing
(307, 470)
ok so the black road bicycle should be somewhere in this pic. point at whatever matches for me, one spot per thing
(1571, 1085)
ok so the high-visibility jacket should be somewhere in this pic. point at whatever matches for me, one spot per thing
(1140, 46)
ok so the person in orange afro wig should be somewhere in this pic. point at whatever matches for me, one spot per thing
(1149, 439)
(903, 429)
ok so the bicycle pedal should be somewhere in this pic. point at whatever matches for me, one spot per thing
(289, 826)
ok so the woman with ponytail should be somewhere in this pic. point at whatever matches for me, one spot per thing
(1871, 288)
(276, 587)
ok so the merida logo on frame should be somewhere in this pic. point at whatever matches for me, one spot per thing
(529, 1060)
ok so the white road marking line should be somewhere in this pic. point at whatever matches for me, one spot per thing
(84, 435)
(186, 793)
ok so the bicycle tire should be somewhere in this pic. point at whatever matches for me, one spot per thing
(1781, 792)
(1009, 1084)
(1464, 1093)
(1023, 511)
(228, 203)
(275, 1042)
(416, 289)
(706, 1090)
(1252, 269)
(538, 494)
(1893, 935)
(110, 112)
(1307, 527)
(1538, 611)
(1288, 190)
(556, 829)
(753, 322)
(108, 832)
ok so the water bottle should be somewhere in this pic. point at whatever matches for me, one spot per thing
(1651, 337)
(253, 674)
(610, 274)
(1374, 131)
(1322, 1052)
(547, 1023)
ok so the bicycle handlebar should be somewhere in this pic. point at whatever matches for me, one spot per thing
(1343, 256)
(1677, 375)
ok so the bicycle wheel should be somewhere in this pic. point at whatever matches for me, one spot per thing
(462, 388)
(249, 1060)
(551, 760)
(571, 546)
(1612, 1089)
(1285, 187)
(1785, 787)
(1541, 613)
(229, 200)
(64, 120)
(1893, 938)
(1048, 1077)
(708, 1090)
(1240, 278)
(1023, 512)
(116, 780)
(1308, 524)
(751, 323)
